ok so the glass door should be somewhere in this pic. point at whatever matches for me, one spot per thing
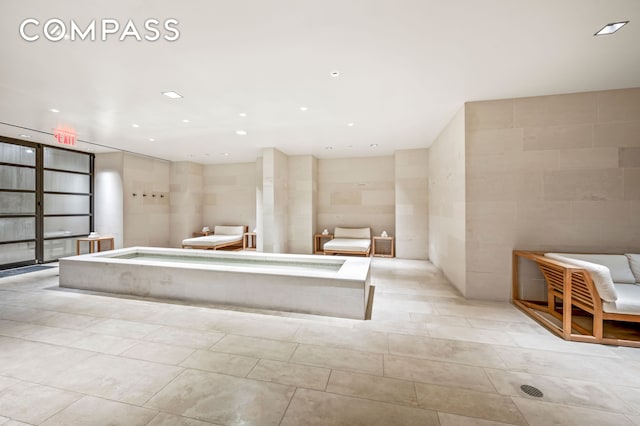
(18, 219)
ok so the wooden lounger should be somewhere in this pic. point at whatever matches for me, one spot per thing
(224, 237)
(570, 292)
(349, 241)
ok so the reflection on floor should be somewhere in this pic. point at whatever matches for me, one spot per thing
(427, 357)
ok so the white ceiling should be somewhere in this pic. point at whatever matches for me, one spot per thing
(406, 66)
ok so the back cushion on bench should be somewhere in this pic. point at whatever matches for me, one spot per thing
(618, 265)
(599, 274)
(352, 233)
(228, 230)
(634, 262)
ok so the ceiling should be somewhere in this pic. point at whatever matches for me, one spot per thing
(405, 67)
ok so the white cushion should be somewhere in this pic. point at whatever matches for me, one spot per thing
(634, 262)
(628, 300)
(360, 245)
(352, 233)
(228, 230)
(211, 240)
(618, 265)
(599, 274)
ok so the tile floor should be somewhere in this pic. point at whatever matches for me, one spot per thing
(428, 357)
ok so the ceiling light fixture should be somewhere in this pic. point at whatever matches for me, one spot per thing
(351, 124)
(152, 140)
(373, 145)
(243, 114)
(328, 147)
(304, 108)
(226, 154)
(54, 110)
(611, 28)
(171, 94)
(135, 126)
(185, 120)
(25, 136)
(335, 73)
(241, 132)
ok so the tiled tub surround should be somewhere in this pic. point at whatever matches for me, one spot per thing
(335, 286)
(427, 357)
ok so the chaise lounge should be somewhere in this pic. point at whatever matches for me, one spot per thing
(353, 241)
(604, 286)
(224, 237)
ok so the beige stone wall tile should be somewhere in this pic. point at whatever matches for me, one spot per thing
(619, 105)
(596, 185)
(489, 114)
(492, 187)
(588, 158)
(617, 134)
(489, 285)
(545, 111)
(493, 141)
(629, 157)
(558, 137)
(632, 184)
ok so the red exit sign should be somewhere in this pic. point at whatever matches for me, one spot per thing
(65, 135)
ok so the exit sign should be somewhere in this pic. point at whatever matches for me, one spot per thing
(65, 135)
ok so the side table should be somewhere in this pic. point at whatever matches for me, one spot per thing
(318, 242)
(249, 241)
(388, 253)
(95, 244)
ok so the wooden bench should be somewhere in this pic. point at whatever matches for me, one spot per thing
(571, 291)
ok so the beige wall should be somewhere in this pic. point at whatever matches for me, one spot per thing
(303, 196)
(185, 200)
(275, 198)
(229, 195)
(550, 173)
(146, 219)
(447, 202)
(109, 198)
(357, 192)
(412, 203)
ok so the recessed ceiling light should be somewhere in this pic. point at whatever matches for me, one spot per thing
(335, 73)
(351, 124)
(54, 110)
(186, 120)
(328, 147)
(152, 140)
(135, 126)
(373, 145)
(241, 132)
(173, 95)
(226, 154)
(25, 136)
(611, 28)
(243, 114)
(303, 108)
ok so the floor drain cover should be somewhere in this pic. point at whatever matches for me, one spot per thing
(530, 390)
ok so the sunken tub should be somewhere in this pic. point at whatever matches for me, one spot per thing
(332, 286)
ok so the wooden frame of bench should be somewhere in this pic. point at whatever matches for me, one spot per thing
(568, 282)
(236, 245)
(347, 252)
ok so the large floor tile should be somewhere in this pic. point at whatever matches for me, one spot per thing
(630, 396)
(216, 362)
(184, 337)
(121, 379)
(5, 382)
(344, 359)
(105, 344)
(302, 376)
(312, 408)
(470, 353)
(558, 390)
(539, 413)
(96, 411)
(447, 419)
(551, 342)
(158, 352)
(223, 399)
(437, 372)
(372, 387)
(360, 340)
(32, 403)
(483, 405)
(66, 320)
(468, 334)
(123, 328)
(164, 419)
(255, 347)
